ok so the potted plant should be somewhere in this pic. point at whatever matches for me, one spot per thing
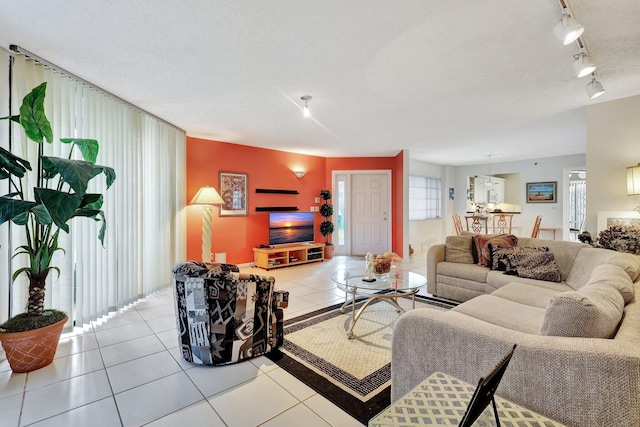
(326, 227)
(59, 193)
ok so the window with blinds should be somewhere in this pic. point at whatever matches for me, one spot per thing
(425, 197)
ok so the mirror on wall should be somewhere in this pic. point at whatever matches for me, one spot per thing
(494, 193)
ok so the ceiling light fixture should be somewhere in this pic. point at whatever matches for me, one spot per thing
(594, 87)
(305, 109)
(568, 29)
(583, 66)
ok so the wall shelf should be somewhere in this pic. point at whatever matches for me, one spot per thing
(276, 208)
(272, 191)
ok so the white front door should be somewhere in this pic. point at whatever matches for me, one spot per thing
(370, 213)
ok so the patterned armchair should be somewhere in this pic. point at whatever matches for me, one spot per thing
(224, 316)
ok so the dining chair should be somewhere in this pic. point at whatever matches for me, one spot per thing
(536, 227)
(502, 223)
(476, 223)
(457, 223)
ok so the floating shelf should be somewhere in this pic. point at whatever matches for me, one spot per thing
(276, 208)
(267, 190)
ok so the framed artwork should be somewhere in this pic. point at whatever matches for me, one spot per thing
(542, 192)
(233, 190)
(608, 218)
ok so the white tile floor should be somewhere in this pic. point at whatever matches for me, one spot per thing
(127, 371)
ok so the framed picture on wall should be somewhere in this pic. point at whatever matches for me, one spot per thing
(233, 190)
(542, 192)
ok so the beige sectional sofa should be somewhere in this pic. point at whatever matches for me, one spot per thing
(578, 355)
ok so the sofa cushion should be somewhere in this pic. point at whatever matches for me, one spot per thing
(501, 312)
(523, 293)
(589, 258)
(534, 265)
(591, 312)
(497, 279)
(499, 254)
(457, 270)
(459, 249)
(482, 242)
(615, 276)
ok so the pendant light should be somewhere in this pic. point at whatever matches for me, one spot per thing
(305, 109)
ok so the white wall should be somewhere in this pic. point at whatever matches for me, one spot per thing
(534, 170)
(425, 233)
(613, 144)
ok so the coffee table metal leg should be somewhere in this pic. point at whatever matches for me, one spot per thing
(389, 298)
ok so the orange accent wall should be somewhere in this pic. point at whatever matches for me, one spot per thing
(396, 166)
(273, 169)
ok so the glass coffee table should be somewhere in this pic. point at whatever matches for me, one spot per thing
(407, 284)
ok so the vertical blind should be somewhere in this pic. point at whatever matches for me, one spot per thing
(144, 208)
(425, 197)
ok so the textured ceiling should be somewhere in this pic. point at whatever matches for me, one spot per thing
(451, 81)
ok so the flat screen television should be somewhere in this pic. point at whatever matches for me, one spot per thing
(286, 228)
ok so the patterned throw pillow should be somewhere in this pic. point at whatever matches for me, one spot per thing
(482, 242)
(499, 254)
(536, 265)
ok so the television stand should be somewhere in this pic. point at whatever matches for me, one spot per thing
(286, 255)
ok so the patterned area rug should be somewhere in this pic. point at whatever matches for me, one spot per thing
(354, 374)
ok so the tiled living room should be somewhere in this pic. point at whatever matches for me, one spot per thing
(126, 369)
(414, 115)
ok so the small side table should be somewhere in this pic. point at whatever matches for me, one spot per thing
(442, 400)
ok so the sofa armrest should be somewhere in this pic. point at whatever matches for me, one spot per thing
(435, 255)
(576, 381)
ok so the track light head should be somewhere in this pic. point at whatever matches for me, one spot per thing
(594, 88)
(583, 66)
(568, 29)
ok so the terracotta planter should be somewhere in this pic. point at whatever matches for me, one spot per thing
(31, 350)
(329, 251)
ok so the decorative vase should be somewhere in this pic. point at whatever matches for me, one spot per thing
(30, 350)
(381, 268)
(329, 251)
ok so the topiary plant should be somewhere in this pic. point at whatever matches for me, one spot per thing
(326, 210)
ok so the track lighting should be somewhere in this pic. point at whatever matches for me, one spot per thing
(568, 29)
(594, 87)
(583, 66)
(305, 109)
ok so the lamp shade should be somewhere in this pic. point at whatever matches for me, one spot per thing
(583, 66)
(207, 196)
(568, 29)
(633, 180)
(594, 88)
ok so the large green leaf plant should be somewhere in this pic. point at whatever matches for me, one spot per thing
(59, 194)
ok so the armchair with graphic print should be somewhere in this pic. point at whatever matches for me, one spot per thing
(224, 316)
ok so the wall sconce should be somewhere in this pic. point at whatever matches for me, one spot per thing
(206, 196)
(633, 180)
(299, 174)
(633, 183)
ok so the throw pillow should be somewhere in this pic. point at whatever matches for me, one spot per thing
(482, 242)
(591, 312)
(535, 265)
(499, 254)
(459, 249)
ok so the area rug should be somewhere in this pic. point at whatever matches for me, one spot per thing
(354, 374)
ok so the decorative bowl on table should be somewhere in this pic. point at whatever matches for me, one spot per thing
(382, 267)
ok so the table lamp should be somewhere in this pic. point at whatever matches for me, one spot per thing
(206, 196)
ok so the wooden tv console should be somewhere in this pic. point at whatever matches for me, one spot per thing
(285, 255)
